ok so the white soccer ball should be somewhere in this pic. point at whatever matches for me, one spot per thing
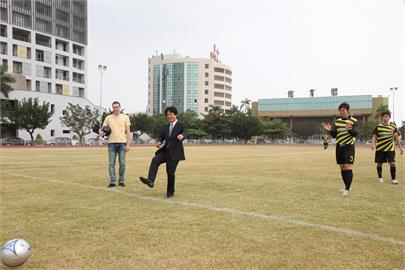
(15, 252)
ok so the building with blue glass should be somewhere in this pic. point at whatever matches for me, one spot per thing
(363, 107)
(189, 84)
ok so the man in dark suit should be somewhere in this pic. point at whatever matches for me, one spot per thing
(171, 151)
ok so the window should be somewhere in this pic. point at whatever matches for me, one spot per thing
(58, 88)
(206, 74)
(79, 50)
(43, 9)
(206, 91)
(21, 35)
(207, 66)
(43, 40)
(206, 100)
(52, 108)
(219, 86)
(47, 72)
(3, 47)
(52, 132)
(3, 30)
(62, 60)
(206, 83)
(49, 87)
(37, 86)
(206, 109)
(28, 82)
(39, 55)
(220, 70)
(81, 92)
(17, 67)
(61, 45)
(66, 131)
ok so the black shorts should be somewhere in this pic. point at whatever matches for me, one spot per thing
(345, 154)
(384, 156)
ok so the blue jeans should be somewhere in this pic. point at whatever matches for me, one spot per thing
(113, 150)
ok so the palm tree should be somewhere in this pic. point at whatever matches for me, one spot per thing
(245, 105)
(380, 109)
(5, 80)
(215, 109)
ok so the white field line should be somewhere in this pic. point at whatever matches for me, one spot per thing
(283, 219)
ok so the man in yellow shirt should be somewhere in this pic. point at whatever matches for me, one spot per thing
(119, 142)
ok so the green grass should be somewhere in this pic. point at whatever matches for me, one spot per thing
(87, 226)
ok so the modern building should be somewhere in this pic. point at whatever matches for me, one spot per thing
(44, 45)
(362, 107)
(189, 84)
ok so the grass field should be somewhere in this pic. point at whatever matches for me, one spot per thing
(235, 207)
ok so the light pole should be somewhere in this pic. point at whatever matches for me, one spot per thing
(101, 69)
(393, 90)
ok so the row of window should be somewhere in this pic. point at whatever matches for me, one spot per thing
(43, 40)
(41, 56)
(45, 72)
(46, 87)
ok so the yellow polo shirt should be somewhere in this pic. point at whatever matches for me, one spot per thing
(117, 123)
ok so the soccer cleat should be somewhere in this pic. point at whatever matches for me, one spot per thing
(394, 182)
(111, 185)
(381, 180)
(343, 189)
(346, 192)
(121, 184)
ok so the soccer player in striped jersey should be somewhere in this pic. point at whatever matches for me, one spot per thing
(383, 142)
(345, 131)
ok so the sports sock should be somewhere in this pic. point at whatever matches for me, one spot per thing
(349, 179)
(379, 170)
(393, 170)
(344, 177)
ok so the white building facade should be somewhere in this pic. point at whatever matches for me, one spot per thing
(189, 84)
(43, 43)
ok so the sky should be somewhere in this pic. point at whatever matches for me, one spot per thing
(356, 46)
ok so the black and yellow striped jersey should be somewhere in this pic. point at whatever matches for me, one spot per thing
(385, 136)
(340, 132)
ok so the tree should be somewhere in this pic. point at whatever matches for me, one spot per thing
(141, 122)
(366, 130)
(39, 140)
(216, 124)
(29, 115)
(79, 120)
(245, 106)
(5, 80)
(306, 128)
(98, 124)
(245, 126)
(196, 133)
(275, 128)
(190, 119)
(380, 109)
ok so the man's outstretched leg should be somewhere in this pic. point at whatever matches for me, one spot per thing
(153, 169)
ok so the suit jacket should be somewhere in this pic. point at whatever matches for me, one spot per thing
(171, 144)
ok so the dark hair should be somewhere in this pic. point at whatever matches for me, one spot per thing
(344, 105)
(116, 102)
(171, 109)
(386, 113)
